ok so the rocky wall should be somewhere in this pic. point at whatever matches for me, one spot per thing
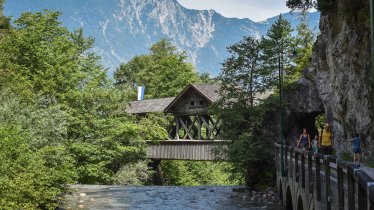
(341, 72)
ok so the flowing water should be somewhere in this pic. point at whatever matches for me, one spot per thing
(161, 197)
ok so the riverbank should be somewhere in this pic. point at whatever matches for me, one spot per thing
(97, 197)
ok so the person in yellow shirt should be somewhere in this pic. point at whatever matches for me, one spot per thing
(326, 140)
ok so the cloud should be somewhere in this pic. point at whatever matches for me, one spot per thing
(255, 10)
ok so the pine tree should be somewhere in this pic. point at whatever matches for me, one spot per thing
(242, 76)
(305, 39)
(278, 46)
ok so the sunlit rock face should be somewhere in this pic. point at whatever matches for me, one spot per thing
(125, 28)
(341, 72)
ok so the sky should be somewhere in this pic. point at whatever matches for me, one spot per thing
(256, 10)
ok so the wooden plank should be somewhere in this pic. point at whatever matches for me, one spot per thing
(199, 127)
(185, 128)
(177, 127)
(190, 127)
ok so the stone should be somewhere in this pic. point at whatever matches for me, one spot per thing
(340, 70)
(239, 189)
(211, 190)
(82, 194)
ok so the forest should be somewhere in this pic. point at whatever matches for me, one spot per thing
(63, 119)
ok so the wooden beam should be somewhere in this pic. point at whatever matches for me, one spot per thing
(214, 127)
(176, 127)
(207, 126)
(185, 128)
(199, 127)
(190, 127)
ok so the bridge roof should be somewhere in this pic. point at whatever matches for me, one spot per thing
(209, 91)
(149, 105)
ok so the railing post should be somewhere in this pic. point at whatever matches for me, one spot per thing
(296, 166)
(310, 173)
(318, 176)
(371, 196)
(290, 162)
(340, 186)
(303, 170)
(327, 182)
(363, 194)
(351, 186)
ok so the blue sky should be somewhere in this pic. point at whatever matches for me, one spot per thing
(256, 10)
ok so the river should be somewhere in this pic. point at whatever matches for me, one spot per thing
(97, 197)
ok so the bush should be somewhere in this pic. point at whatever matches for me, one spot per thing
(133, 174)
(27, 179)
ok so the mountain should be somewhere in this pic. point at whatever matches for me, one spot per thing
(125, 28)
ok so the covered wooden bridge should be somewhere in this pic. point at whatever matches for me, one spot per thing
(194, 134)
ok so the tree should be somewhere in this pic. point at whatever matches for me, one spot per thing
(243, 77)
(41, 57)
(55, 91)
(164, 71)
(304, 40)
(279, 46)
(252, 69)
(302, 5)
(4, 21)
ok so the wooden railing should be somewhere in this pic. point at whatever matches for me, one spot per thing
(328, 182)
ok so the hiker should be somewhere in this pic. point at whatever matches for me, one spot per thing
(326, 140)
(356, 149)
(315, 144)
(304, 140)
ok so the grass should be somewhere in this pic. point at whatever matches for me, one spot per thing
(346, 156)
(370, 162)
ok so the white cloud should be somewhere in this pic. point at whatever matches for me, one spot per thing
(255, 10)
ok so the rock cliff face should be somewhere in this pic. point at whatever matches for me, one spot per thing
(341, 73)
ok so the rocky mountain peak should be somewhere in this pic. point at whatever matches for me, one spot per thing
(125, 28)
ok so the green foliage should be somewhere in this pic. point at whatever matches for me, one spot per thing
(28, 179)
(326, 5)
(304, 40)
(252, 71)
(244, 70)
(370, 162)
(195, 173)
(302, 5)
(206, 78)
(133, 174)
(154, 126)
(321, 120)
(278, 49)
(164, 71)
(346, 156)
(62, 120)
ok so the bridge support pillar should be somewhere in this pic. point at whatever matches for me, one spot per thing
(157, 175)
